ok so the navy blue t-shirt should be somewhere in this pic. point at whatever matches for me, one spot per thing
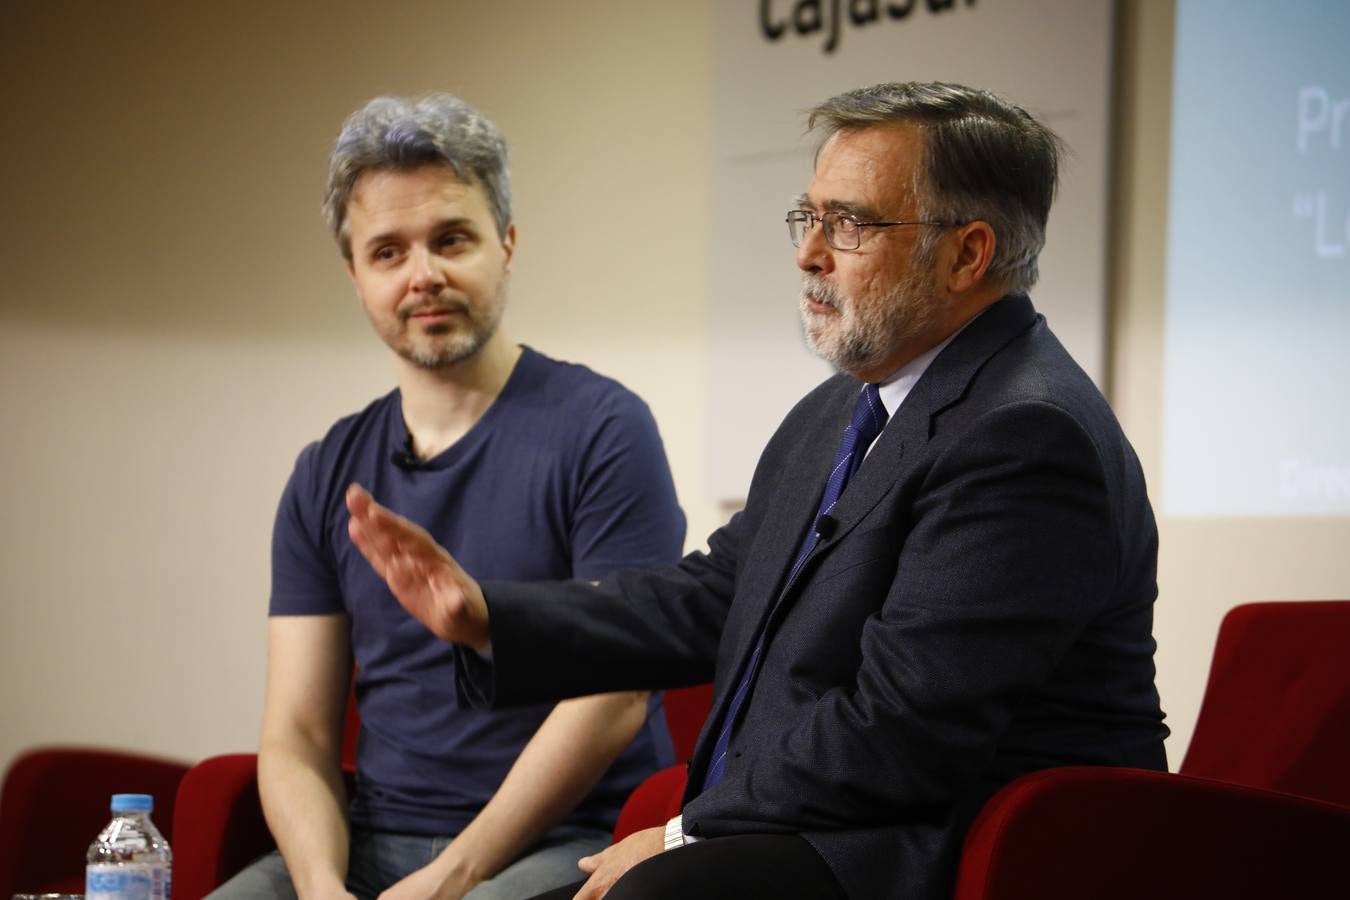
(563, 477)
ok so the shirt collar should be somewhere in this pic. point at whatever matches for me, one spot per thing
(896, 387)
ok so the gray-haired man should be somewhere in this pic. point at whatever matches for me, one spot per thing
(530, 467)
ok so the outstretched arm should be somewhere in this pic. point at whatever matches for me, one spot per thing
(420, 573)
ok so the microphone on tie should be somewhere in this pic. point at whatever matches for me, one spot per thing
(825, 526)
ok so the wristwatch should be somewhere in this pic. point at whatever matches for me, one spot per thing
(674, 833)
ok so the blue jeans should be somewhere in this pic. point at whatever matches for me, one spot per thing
(377, 860)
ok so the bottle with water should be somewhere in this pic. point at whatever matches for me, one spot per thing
(130, 860)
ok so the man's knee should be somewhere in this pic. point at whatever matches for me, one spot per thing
(264, 879)
(550, 863)
(782, 866)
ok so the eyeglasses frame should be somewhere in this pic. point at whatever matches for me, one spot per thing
(809, 218)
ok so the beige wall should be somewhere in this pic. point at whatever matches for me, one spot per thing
(175, 325)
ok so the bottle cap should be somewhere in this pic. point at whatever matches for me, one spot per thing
(132, 803)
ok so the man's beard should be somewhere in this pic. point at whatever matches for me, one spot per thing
(860, 336)
(443, 346)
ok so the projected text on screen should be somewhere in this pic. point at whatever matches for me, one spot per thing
(1257, 367)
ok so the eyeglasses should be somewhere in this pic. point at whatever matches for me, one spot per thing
(842, 231)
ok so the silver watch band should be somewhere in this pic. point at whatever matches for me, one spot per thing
(674, 833)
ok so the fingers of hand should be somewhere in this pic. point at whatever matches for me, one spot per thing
(602, 878)
(383, 535)
(612, 863)
(370, 525)
(593, 889)
(422, 575)
(404, 575)
(388, 533)
(360, 539)
(358, 500)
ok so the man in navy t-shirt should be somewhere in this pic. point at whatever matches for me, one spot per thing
(526, 468)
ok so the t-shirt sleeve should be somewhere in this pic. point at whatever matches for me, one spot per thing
(304, 573)
(626, 513)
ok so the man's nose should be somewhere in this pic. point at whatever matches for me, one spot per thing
(427, 276)
(814, 254)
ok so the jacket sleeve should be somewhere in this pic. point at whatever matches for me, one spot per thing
(638, 629)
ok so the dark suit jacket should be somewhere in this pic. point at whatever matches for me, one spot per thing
(982, 610)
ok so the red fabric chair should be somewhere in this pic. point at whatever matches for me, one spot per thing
(222, 828)
(54, 803)
(686, 708)
(1126, 834)
(1260, 809)
(1276, 712)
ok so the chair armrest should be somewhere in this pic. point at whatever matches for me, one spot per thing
(1121, 834)
(654, 802)
(220, 826)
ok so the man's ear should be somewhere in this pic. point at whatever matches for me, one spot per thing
(509, 245)
(975, 244)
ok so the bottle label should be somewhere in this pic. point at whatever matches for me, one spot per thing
(126, 881)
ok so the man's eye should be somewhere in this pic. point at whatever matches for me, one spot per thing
(384, 254)
(452, 240)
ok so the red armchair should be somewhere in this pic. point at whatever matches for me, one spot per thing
(1260, 809)
(54, 803)
(1276, 712)
(222, 828)
(1126, 834)
(686, 708)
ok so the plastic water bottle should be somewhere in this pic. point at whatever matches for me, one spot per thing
(130, 860)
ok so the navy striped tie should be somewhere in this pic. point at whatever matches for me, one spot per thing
(869, 417)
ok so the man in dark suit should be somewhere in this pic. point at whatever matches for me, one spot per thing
(897, 625)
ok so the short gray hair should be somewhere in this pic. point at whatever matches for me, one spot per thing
(985, 159)
(402, 133)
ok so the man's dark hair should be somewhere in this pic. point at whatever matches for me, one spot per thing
(984, 158)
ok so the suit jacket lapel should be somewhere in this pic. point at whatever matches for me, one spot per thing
(943, 384)
(793, 507)
(904, 434)
(950, 374)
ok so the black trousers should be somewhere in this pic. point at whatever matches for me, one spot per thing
(782, 866)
